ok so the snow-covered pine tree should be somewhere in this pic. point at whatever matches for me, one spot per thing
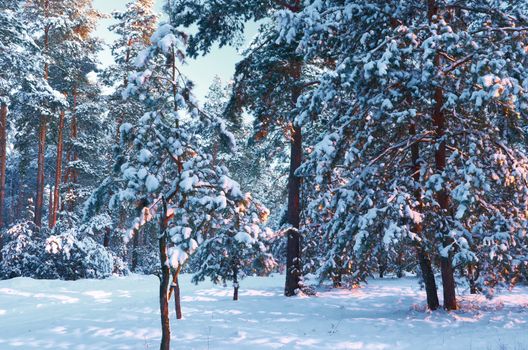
(134, 27)
(260, 166)
(80, 130)
(214, 106)
(47, 20)
(237, 247)
(21, 82)
(223, 23)
(67, 28)
(63, 31)
(34, 94)
(166, 175)
(463, 63)
(36, 252)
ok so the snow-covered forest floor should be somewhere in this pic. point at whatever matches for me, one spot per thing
(122, 313)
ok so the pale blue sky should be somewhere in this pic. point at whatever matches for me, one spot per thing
(219, 62)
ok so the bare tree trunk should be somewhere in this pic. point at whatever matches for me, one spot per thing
(235, 283)
(382, 267)
(293, 249)
(164, 281)
(135, 253)
(423, 258)
(439, 119)
(75, 132)
(73, 175)
(399, 264)
(39, 200)
(429, 279)
(43, 126)
(177, 296)
(337, 275)
(58, 173)
(50, 204)
(106, 239)
(14, 181)
(175, 289)
(3, 160)
(472, 276)
(448, 279)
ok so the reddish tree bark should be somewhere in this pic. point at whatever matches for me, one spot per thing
(293, 248)
(39, 200)
(164, 280)
(43, 126)
(74, 135)
(175, 288)
(448, 279)
(50, 204)
(58, 173)
(14, 186)
(70, 175)
(439, 121)
(423, 258)
(73, 176)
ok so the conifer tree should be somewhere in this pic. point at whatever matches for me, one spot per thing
(134, 27)
(449, 81)
(237, 247)
(223, 23)
(83, 119)
(256, 165)
(165, 174)
(47, 19)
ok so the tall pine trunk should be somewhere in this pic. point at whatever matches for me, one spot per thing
(135, 252)
(73, 176)
(235, 283)
(439, 121)
(164, 280)
(448, 279)
(3, 162)
(293, 248)
(106, 239)
(13, 188)
(423, 258)
(43, 126)
(175, 288)
(39, 198)
(50, 203)
(58, 173)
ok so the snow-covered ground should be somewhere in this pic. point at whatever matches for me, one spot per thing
(122, 313)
